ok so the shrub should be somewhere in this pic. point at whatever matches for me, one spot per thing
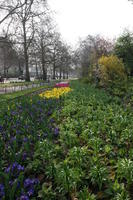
(85, 80)
(124, 49)
(111, 68)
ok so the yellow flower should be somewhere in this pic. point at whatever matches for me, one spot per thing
(55, 92)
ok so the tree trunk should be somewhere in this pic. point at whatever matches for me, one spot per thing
(19, 67)
(44, 72)
(54, 65)
(4, 62)
(63, 75)
(4, 71)
(36, 68)
(44, 76)
(54, 70)
(60, 73)
(27, 74)
(67, 75)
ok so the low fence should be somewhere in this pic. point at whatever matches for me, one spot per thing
(11, 89)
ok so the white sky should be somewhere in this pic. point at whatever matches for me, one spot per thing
(78, 18)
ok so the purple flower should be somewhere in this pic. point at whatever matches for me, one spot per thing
(18, 131)
(11, 183)
(18, 122)
(52, 120)
(28, 183)
(1, 128)
(20, 168)
(30, 192)
(24, 156)
(7, 170)
(38, 102)
(56, 132)
(26, 127)
(13, 113)
(18, 184)
(12, 139)
(24, 197)
(20, 107)
(2, 192)
(25, 139)
(49, 113)
(15, 167)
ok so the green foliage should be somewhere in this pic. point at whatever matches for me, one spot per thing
(78, 156)
(67, 178)
(90, 159)
(104, 133)
(96, 144)
(123, 195)
(85, 195)
(124, 49)
(125, 170)
(98, 175)
(85, 80)
(46, 192)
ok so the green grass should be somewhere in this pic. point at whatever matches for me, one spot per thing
(2, 85)
(11, 96)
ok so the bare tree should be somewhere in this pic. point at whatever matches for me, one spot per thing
(91, 49)
(24, 20)
(56, 52)
(41, 45)
(65, 61)
(9, 8)
(45, 37)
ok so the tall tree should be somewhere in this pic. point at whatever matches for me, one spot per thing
(65, 61)
(124, 49)
(91, 49)
(44, 37)
(25, 19)
(56, 52)
(8, 8)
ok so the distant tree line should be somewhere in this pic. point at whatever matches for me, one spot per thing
(100, 59)
(32, 34)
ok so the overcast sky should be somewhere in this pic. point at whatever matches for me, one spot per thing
(78, 18)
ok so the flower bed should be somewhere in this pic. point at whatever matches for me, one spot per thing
(62, 84)
(22, 124)
(77, 147)
(55, 92)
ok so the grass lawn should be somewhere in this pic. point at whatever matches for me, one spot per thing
(20, 83)
(4, 98)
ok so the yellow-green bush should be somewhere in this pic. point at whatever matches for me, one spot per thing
(111, 68)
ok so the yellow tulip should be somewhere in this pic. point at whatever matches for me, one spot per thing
(55, 92)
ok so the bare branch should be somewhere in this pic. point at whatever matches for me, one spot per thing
(10, 10)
